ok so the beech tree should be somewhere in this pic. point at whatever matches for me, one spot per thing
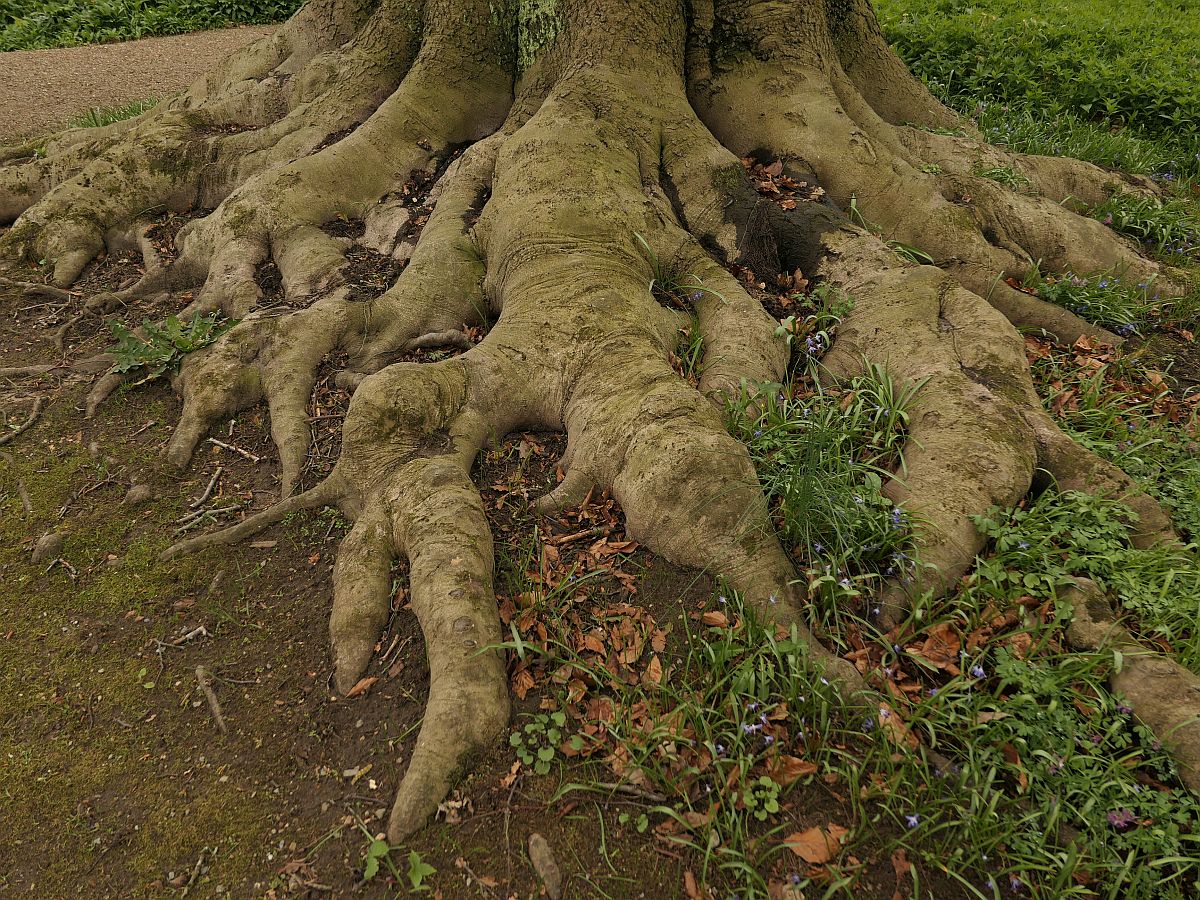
(602, 138)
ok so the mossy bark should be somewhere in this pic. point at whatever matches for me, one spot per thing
(596, 128)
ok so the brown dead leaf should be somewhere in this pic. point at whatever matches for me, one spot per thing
(715, 618)
(1013, 758)
(817, 845)
(522, 683)
(361, 688)
(785, 770)
(901, 866)
(941, 647)
(654, 671)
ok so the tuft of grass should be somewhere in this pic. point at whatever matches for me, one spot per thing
(1107, 411)
(1169, 227)
(823, 460)
(98, 116)
(670, 283)
(1103, 299)
(1005, 175)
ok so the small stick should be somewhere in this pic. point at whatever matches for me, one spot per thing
(213, 703)
(187, 517)
(23, 493)
(149, 424)
(206, 514)
(47, 290)
(212, 483)
(23, 371)
(200, 631)
(238, 450)
(38, 405)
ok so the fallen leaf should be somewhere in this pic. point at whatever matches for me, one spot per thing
(362, 687)
(817, 845)
(654, 671)
(901, 866)
(716, 619)
(785, 770)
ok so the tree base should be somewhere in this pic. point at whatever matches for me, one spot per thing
(608, 181)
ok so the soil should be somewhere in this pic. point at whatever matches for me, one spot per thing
(42, 89)
(117, 780)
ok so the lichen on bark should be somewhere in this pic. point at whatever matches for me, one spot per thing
(615, 126)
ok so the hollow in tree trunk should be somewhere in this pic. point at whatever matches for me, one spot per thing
(590, 130)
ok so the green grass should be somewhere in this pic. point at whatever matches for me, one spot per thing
(34, 24)
(1117, 304)
(823, 458)
(99, 116)
(1132, 63)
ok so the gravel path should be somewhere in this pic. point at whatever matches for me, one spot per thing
(40, 89)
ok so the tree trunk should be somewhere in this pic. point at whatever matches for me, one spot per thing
(593, 130)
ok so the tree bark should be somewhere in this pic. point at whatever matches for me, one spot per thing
(590, 130)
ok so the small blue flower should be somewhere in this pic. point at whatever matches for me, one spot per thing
(978, 671)
(912, 821)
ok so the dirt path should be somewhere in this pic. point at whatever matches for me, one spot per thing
(44, 88)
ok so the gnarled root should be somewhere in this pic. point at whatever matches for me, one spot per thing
(595, 180)
(1162, 694)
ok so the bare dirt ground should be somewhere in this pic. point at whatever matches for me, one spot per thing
(43, 89)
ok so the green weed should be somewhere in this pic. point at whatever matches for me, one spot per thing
(165, 345)
(537, 742)
(829, 305)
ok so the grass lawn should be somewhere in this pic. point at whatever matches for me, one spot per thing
(35, 24)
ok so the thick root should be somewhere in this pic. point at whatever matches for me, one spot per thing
(1163, 695)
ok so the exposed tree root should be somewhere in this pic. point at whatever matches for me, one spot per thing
(35, 413)
(1163, 694)
(594, 180)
